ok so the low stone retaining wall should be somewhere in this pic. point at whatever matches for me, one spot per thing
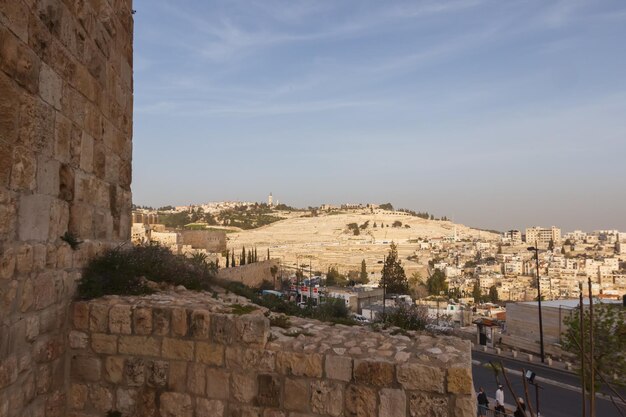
(251, 275)
(188, 355)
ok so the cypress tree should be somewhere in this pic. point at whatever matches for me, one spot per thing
(268, 254)
(243, 256)
(232, 260)
(227, 258)
(256, 257)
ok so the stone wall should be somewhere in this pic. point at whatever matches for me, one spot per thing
(187, 354)
(65, 166)
(209, 240)
(251, 275)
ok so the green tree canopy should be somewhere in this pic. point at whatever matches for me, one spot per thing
(394, 276)
(363, 275)
(436, 283)
(334, 278)
(493, 294)
(476, 293)
(609, 338)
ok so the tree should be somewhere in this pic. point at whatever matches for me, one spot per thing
(436, 283)
(256, 256)
(374, 226)
(386, 206)
(232, 259)
(227, 258)
(334, 278)
(397, 223)
(476, 293)
(609, 340)
(242, 260)
(493, 294)
(394, 277)
(268, 254)
(363, 275)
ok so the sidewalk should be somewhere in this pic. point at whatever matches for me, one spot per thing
(526, 357)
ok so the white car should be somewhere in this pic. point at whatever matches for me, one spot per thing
(360, 319)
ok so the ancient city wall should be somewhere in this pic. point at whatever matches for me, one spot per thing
(65, 166)
(187, 354)
(212, 241)
(251, 275)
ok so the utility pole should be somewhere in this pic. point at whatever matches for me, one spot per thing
(536, 250)
(384, 284)
(592, 386)
(582, 349)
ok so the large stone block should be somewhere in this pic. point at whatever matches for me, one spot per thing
(7, 262)
(338, 367)
(460, 381)
(210, 353)
(327, 398)
(414, 376)
(50, 87)
(114, 369)
(238, 357)
(218, 383)
(104, 343)
(157, 373)
(296, 394)
(392, 403)
(360, 401)
(24, 170)
(373, 372)
(299, 364)
(142, 320)
(173, 404)
(139, 345)
(99, 318)
(196, 378)
(179, 322)
(177, 349)
(268, 390)
(34, 217)
(120, 319)
(243, 387)
(427, 404)
(199, 326)
(177, 380)
(134, 372)
(209, 408)
(86, 368)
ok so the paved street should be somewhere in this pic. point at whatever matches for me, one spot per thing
(558, 398)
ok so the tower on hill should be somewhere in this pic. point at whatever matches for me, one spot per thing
(270, 200)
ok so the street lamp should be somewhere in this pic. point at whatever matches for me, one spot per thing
(530, 376)
(536, 250)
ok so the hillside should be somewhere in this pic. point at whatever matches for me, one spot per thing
(327, 240)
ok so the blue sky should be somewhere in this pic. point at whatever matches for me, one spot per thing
(497, 113)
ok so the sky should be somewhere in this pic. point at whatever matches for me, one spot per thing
(497, 114)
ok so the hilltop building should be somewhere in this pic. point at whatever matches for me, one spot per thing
(543, 237)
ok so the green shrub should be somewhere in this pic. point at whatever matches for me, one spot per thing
(122, 272)
(407, 318)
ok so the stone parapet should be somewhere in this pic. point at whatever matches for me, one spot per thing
(188, 354)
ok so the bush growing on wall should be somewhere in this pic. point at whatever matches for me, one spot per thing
(125, 271)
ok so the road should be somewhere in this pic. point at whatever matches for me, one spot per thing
(560, 396)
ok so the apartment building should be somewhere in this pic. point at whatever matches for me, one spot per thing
(543, 237)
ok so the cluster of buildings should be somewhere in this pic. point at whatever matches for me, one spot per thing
(563, 261)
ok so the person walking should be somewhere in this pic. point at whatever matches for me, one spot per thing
(520, 411)
(500, 410)
(483, 403)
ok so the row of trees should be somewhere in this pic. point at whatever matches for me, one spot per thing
(335, 278)
(246, 257)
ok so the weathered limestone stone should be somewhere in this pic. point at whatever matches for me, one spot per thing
(78, 340)
(24, 259)
(104, 343)
(114, 369)
(238, 357)
(139, 345)
(373, 372)
(100, 398)
(360, 401)
(32, 328)
(327, 398)
(50, 87)
(421, 404)
(44, 290)
(157, 373)
(413, 376)
(86, 368)
(120, 319)
(48, 348)
(34, 216)
(126, 400)
(269, 391)
(296, 394)
(218, 384)
(175, 405)
(81, 315)
(99, 318)
(253, 329)
(196, 378)
(134, 372)
(27, 296)
(392, 403)
(142, 321)
(223, 329)
(463, 406)
(177, 349)
(209, 408)
(200, 324)
(8, 372)
(161, 321)
(77, 396)
(177, 376)
(299, 364)
(210, 353)
(7, 263)
(459, 381)
(243, 387)
(179, 322)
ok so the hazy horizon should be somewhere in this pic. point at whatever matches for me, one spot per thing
(498, 115)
